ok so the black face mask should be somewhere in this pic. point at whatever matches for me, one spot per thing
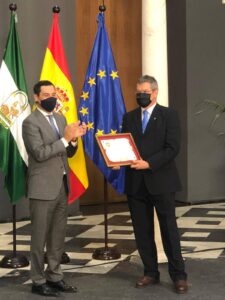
(49, 104)
(143, 99)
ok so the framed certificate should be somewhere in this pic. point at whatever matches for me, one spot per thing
(118, 149)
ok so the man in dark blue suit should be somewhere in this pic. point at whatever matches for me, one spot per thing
(152, 182)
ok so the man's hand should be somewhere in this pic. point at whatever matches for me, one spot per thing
(116, 168)
(74, 130)
(79, 130)
(69, 133)
(140, 165)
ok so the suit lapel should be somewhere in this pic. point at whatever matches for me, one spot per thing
(44, 123)
(59, 124)
(138, 121)
(153, 119)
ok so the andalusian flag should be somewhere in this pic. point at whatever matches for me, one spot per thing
(14, 108)
(55, 69)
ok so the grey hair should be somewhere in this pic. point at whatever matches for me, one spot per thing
(149, 79)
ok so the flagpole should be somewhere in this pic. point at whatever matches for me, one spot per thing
(65, 257)
(14, 260)
(106, 253)
(106, 198)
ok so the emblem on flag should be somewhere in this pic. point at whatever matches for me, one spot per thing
(12, 107)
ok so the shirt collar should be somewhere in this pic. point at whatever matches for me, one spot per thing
(150, 109)
(45, 113)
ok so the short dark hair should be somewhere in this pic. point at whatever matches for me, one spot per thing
(39, 84)
(149, 79)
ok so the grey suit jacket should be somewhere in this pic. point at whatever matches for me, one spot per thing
(47, 156)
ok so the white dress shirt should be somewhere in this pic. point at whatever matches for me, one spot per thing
(149, 110)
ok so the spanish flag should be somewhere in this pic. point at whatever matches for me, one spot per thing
(55, 69)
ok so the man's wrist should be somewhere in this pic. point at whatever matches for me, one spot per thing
(65, 142)
(74, 143)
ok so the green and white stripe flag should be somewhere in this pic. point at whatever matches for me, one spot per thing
(14, 108)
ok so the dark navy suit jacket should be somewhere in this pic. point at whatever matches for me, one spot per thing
(158, 145)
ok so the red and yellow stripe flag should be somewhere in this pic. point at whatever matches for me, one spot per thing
(55, 69)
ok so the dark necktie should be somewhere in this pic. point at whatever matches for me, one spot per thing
(52, 123)
(145, 120)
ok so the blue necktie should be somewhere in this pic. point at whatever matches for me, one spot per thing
(145, 120)
(52, 123)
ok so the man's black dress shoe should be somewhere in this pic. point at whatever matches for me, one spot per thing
(61, 286)
(45, 290)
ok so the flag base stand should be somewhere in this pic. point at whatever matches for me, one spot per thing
(12, 261)
(106, 254)
(65, 259)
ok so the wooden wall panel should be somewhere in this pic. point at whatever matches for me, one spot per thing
(123, 22)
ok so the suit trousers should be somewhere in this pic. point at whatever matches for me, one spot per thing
(142, 213)
(48, 222)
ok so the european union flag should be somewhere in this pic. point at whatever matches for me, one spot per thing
(101, 103)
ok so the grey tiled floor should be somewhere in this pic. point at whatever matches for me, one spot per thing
(202, 230)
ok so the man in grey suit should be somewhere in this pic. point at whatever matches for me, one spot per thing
(48, 141)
